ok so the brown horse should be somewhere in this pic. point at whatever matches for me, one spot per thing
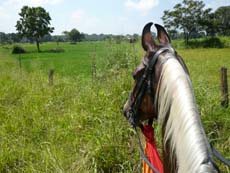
(168, 96)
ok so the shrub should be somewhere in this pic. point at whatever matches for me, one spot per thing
(56, 50)
(205, 42)
(225, 41)
(18, 50)
(73, 43)
(213, 42)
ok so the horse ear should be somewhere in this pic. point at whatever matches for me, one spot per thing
(147, 38)
(162, 35)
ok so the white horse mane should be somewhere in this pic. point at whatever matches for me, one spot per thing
(177, 108)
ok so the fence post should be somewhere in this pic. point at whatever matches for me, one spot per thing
(94, 67)
(51, 77)
(224, 87)
(20, 62)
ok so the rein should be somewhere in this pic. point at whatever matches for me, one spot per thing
(145, 83)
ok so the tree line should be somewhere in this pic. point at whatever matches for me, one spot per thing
(10, 38)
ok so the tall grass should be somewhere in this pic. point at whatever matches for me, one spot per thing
(76, 125)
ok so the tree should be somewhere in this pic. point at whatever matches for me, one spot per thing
(136, 37)
(3, 37)
(217, 22)
(74, 35)
(46, 38)
(209, 23)
(186, 17)
(222, 18)
(9, 38)
(14, 37)
(34, 23)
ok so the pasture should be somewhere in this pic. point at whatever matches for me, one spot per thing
(76, 125)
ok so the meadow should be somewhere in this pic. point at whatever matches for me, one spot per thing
(76, 124)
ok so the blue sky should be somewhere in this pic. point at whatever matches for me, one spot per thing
(98, 16)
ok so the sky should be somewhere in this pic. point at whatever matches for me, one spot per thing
(95, 16)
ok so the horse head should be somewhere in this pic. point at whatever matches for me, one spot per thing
(146, 109)
(163, 90)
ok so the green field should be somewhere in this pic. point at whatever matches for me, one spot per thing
(76, 125)
(74, 61)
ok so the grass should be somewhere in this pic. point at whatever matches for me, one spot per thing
(76, 125)
(76, 60)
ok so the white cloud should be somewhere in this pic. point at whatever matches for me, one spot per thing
(79, 15)
(84, 22)
(3, 13)
(214, 4)
(20, 3)
(176, 1)
(9, 10)
(6, 20)
(88, 23)
(144, 6)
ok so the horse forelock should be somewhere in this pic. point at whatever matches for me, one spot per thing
(177, 110)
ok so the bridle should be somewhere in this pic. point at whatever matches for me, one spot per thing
(144, 84)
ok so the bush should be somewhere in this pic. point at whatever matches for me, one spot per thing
(207, 42)
(213, 42)
(18, 50)
(225, 41)
(56, 50)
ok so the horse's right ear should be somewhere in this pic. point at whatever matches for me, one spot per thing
(147, 38)
(162, 35)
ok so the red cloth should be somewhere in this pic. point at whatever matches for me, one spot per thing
(151, 151)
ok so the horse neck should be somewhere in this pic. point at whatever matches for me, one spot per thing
(177, 112)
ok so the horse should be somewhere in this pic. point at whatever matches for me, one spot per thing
(168, 96)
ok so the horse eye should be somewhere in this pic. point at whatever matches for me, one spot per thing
(134, 75)
(138, 71)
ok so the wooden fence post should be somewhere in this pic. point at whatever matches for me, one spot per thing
(93, 66)
(224, 87)
(51, 76)
(20, 62)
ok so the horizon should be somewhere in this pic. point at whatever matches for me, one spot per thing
(119, 17)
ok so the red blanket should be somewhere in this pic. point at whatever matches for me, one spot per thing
(151, 151)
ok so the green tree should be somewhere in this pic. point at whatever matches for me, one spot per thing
(66, 35)
(74, 35)
(3, 37)
(34, 23)
(217, 22)
(185, 16)
(135, 37)
(14, 37)
(209, 23)
(222, 18)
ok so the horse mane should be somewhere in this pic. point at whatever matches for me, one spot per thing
(184, 139)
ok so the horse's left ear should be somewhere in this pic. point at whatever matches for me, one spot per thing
(147, 39)
(162, 35)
